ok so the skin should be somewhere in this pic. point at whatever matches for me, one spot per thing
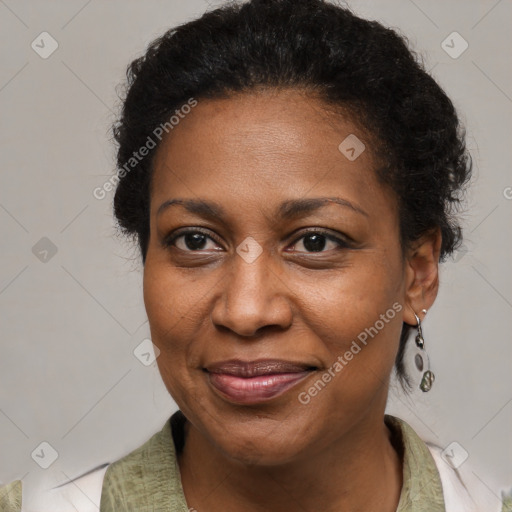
(249, 153)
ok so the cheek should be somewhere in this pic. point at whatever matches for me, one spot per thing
(356, 382)
(167, 306)
(176, 312)
(169, 300)
(359, 320)
(349, 302)
(362, 343)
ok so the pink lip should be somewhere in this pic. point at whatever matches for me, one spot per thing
(257, 381)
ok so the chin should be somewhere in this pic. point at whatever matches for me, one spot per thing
(259, 439)
(256, 451)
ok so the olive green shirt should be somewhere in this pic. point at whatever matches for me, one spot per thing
(148, 479)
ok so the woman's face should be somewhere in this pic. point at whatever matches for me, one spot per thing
(272, 285)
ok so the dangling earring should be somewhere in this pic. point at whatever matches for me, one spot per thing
(421, 359)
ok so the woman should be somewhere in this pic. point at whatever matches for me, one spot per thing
(290, 174)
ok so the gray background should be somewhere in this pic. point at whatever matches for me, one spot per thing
(71, 321)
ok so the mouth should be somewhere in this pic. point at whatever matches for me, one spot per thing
(252, 382)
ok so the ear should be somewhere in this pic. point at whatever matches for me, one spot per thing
(422, 275)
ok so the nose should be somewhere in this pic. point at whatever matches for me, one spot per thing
(253, 297)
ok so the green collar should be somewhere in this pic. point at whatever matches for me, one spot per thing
(421, 489)
(10, 496)
(148, 478)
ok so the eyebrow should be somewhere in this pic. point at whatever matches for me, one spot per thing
(289, 209)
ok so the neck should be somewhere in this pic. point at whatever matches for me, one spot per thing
(359, 471)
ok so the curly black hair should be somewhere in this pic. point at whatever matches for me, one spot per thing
(357, 65)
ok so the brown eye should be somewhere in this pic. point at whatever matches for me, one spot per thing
(190, 241)
(318, 241)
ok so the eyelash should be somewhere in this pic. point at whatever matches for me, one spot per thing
(342, 243)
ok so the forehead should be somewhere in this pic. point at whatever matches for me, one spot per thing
(253, 149)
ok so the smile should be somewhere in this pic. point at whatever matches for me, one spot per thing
(257, 381)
